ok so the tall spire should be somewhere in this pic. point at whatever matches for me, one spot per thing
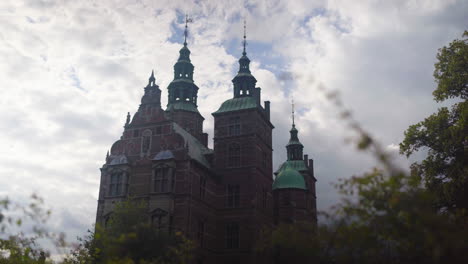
(182, 90)
(186, 29)
(244, 82)
(152, 80)
(244, 42)
(294, 146)
(292, 105)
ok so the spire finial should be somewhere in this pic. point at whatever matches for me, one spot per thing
(187, 20)
(127, 122)
(244, 42)
(292, 105)
(152, 80)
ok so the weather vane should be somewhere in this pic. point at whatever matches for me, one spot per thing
(187, 20)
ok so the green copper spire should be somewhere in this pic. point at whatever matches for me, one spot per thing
(294, 147)
(244, 82)
(182, 90)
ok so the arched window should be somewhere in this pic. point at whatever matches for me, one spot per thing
(146, 142)
(234, 155)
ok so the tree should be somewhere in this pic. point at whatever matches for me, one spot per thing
(288, 243)
(129, 238)
(445, 133)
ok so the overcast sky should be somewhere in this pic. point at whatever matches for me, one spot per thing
(71, 70)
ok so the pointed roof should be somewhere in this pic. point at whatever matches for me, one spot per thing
(183, 92)
(244, 61)
(151, 79)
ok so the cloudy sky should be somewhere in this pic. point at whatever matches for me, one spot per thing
(71, 70)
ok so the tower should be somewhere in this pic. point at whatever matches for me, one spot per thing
(183, 94)
(243, 159)
(294, 184)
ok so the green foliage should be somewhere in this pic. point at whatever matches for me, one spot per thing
(391, 219)
(451, 70)
(445, 134)
(288, 243)
(130, 238)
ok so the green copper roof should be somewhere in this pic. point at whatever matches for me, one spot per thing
(298, 165)
(289, 178)
(187, 106)
(239, 103)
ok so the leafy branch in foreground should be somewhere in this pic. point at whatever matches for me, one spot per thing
(390, 216)
(22, 247)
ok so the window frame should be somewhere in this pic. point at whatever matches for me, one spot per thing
(118, 183)
(234, 126)
(233, 196)
(163, 179)
(232, 237)
(234, 155)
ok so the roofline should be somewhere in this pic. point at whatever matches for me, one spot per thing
(214, 114)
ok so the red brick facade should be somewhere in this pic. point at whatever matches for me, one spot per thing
(220, 198)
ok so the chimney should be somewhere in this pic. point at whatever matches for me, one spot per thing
(311, 167)
(267, 109)
(306, 160)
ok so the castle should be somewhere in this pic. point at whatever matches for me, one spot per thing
(221, 197)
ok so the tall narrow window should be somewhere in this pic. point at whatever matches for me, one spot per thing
(234, 155)
(201, 232)
(163, 179)
(171, 224)
(118, 184)
(233, 196)
(146, 142)
(232, 235)
(202, 187)
(234, 126)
